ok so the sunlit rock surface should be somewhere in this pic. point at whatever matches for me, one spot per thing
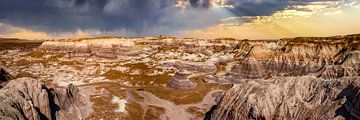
(181, 81)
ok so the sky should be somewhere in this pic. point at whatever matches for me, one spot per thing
(208, 19)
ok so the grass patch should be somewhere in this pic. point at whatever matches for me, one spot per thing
(103, 108)
(154, 85)
(195, 111)
(95, 38)
(71, 63)
(23, 62)
(135, 111)
(153, 112)
(24, 74)
(36, 54)
(16, 43)
(142, 79)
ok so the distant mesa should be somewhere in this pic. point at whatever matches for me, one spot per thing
(225, 38)
(93, 38)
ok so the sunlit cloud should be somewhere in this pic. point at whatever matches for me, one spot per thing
(8, 31)
(320, 19)
(297, 9)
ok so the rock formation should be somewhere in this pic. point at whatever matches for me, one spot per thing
(327, 58)
(181, 81)
(194, 67)
(292, 78)
(102, 48)
(27, 98)
(300, 78)
(290, 98)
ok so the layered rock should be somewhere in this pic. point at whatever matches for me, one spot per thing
(194, 67)
(101, 47)
(300, 78)
(27, 98)
(106, 51)
(181, 81)
(112, 48)
(290, 98)
(327, 58)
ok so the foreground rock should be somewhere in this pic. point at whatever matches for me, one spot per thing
(27, 98)
(290, 98)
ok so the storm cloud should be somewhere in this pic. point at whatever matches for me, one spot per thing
(141, 17)
(69, 15)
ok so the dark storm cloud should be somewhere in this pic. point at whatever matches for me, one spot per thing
(138, 16)
(200, 3)
(258, 7)
(69, 15)
(265, 7)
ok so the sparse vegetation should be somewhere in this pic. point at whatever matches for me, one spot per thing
(36, 54)
(187, 96)
(94, 38)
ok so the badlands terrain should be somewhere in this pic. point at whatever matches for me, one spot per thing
(167, 78)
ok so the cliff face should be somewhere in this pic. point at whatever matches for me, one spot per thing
(27, 98)
(102, 48)
(327, 59)
(116, 48)
(301, 78)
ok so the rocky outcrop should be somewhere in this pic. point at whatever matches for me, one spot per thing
(296, 79)
(109, 48)
(27, 98)
(106, 52)
(4, 77)
(181, 81)
(327, 58)
(116, 48)
(290, 98)
(194, 67)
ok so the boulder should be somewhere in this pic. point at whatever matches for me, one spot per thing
(27, 98)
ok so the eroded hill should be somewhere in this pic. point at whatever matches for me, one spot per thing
(170, 78)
